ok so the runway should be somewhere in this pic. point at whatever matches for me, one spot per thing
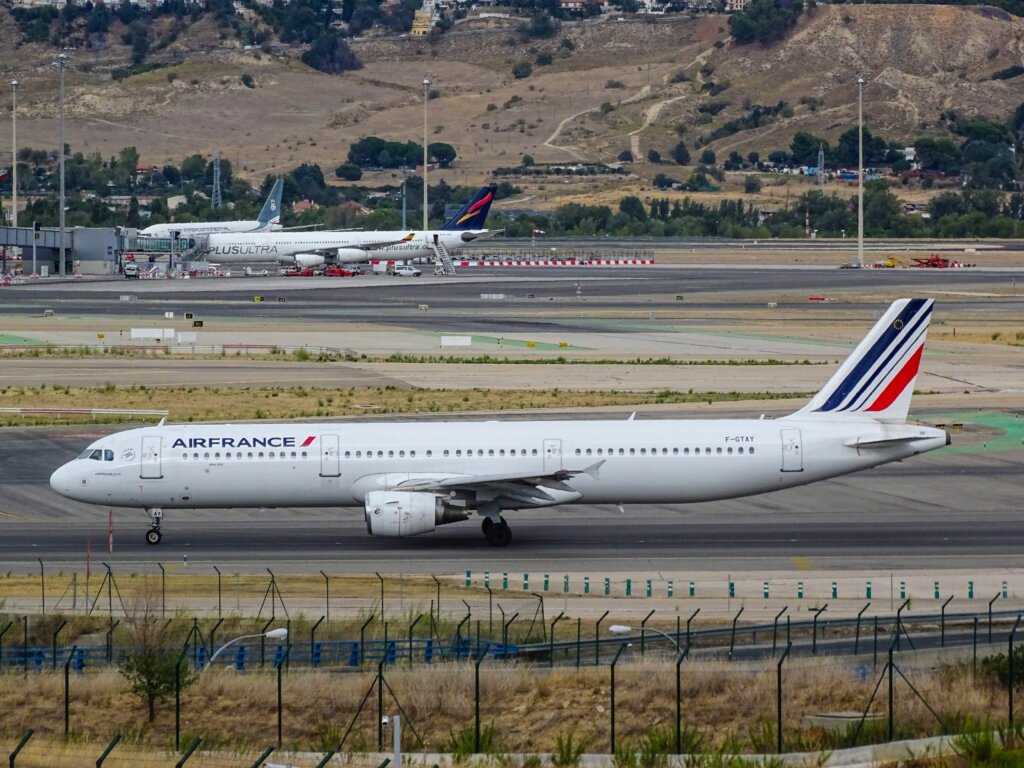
(948, 510)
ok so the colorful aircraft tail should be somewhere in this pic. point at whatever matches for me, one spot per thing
(271, 213)
(474, 214)
(877, 380)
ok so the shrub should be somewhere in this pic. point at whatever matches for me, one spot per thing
(521, 70)
(247, 81)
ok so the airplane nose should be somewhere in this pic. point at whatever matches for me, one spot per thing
(60, 480)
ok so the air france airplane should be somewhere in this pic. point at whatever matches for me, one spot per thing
(314, 249)
(269, 220)
(411, 477)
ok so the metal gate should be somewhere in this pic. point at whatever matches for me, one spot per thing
(552, 455)
(330, 456)
(792, 455)
(150, 468)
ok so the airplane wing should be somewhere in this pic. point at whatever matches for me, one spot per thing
(500, 483)
(332, 250)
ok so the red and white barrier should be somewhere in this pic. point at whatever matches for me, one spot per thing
(546, 263)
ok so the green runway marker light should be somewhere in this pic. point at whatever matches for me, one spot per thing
(670, 587)
(469, 578)
(867, 590)
(504, 579)
(487, 578)
(693, 590)
(565, 583)
(586, 585)
(546, 579)
(732, 589)
(526, 582)
(650, 592)
(903, 590)
(607, 585)
(800, 590)
(765, 590)
(970, 590)
(629, 587)
(1004, 591)
(936, 590)
(835, 590)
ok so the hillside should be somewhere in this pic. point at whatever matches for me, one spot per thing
(654, 77)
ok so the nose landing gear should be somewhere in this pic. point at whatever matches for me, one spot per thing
(153, 535)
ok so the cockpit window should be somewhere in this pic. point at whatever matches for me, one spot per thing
(108, 455)
(96, 454)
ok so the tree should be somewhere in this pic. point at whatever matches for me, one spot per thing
(707, 157)
(752, 184)
(527, 161)
(152, 667)
(521, 70)
(625, 156)
(331, 54)
(349, 172)
(633, 207)
(193, 167)
(443, 153)
(681, 154)
(653, 156)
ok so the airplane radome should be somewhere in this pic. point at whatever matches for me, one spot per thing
(409, 478)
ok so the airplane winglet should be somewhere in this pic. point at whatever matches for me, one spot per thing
(594, 470)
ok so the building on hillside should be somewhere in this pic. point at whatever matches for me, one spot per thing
(301, 206)
(423, 19)
(731, 6)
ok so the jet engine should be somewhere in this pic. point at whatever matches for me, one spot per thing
(309, 259)
(351, 255)
(403, 513)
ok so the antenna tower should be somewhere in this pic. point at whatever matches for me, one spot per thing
(215, 198)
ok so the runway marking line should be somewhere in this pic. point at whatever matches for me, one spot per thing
(17, 517)
(802, 563)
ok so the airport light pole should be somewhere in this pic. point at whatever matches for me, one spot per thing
(426, 90)
(623, 629)
(62, 65)
(860, 171)
(14, 153)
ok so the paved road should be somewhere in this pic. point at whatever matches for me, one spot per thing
(948, 511)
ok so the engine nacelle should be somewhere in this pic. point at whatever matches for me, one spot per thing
(309, 259)
(352, 255)
(403, 513)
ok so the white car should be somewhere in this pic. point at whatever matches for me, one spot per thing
(404, 270)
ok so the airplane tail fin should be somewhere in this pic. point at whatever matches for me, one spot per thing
(877, 380)
(271, 213)
(474, 213)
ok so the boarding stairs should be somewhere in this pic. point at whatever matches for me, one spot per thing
(442, 259)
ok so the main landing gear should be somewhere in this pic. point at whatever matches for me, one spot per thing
(497, 532)
(153, 535)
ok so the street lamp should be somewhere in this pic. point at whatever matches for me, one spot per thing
(623, 629)
(426, 91)
(275, 634)
(62, 64)
(860, 171)
(14, 154)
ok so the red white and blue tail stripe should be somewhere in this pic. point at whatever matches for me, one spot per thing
(878, 378)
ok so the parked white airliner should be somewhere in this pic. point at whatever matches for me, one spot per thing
(411, 477)
(314, 249)
(269, 221)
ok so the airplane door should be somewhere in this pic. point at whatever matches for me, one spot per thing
(330, 456)
(552, 455)
(151, 449)
(792, 455)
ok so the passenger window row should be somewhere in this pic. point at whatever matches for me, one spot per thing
(662, 451)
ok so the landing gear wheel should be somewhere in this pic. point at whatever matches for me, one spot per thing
(153, 535)
(486, 525)
(498, 534)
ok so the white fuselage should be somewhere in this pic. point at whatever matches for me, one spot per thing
(337, 247)
(337, 464)
(206, 228)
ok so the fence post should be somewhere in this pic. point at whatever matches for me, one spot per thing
(55, 633)
(998, 595)
(614, 662)
(856, 642)
(327, 596)
(679, 700)
(42, 584)
(891, 699)
(974, 657)
(21, 744)
(943, 630)
(67, 691)
(551, 640)
(312, 641)
(778, 690)
(108, 750)
(643, 630)
(476, 699)
(732, 637)
(814, 624)
(692, 617)
(280, 667)
(262, 758)
(775, 627)
(1010, 681)
(597, 641)
(188, 752)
